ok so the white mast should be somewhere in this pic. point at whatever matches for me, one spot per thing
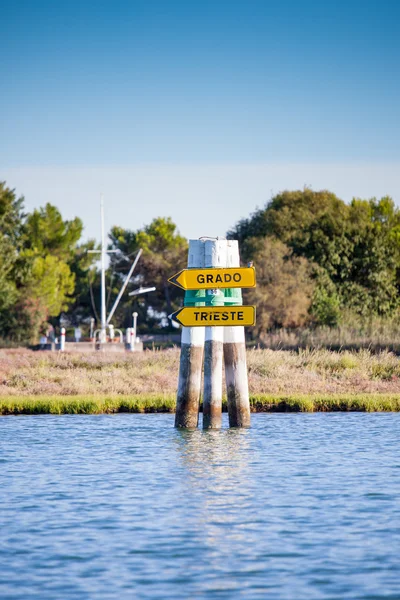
(103, 251)
(103, 335)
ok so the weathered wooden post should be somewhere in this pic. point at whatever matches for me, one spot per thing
(191, 361)
(213, 265)
(215, 257)
(237, 386)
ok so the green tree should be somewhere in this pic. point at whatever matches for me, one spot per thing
(325, 304)
(82, 306)
(284, 289)
(51, 284)
(356, 248)
(164, 253)
(313, 224)
(373, 283)
(11, 237)
(50, 240)
(47, 233)
(41, 262)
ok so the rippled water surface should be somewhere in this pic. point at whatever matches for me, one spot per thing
(299, 507)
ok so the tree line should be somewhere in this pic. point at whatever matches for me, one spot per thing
(317, 258)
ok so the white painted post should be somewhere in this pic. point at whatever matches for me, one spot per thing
(190, 368)
(235, 354)
(134, 330)
(91, 328)
(62, 340)
(215, 256)
(131, 339)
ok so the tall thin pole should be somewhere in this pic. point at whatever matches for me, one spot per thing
(124, 286)
(103, 335)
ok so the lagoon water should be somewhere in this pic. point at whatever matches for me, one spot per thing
(301, 506)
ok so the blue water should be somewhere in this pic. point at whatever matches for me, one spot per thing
(102, 507)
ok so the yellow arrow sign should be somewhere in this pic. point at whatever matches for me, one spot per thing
(215, 316)
(202, 279)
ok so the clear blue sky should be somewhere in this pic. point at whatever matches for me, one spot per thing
(194, 83)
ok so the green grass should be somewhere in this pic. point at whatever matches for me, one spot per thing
(84, 405)
(57, 405)
(326, 403)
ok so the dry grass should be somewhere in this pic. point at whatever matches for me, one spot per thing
(24, 372)
(151, 374)
(353, 334)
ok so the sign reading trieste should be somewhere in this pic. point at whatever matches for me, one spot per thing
(211, 316)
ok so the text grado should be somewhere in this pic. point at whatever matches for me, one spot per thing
(218, 278)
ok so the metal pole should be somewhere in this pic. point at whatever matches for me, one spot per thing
(138, 255)
(133, 332)
(191, 361)
(215, 256)
(103, 335)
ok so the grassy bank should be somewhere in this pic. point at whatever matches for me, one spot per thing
(56, 405)
(151, 373)
(304, 380)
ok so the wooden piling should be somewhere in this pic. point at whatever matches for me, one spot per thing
(215, 256)
(235, 354)
(191, 361)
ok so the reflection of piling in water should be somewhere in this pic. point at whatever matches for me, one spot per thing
(215, 256)
(237, 386)
(191, 361)
(217, 459)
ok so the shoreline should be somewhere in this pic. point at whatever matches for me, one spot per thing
(108, 404)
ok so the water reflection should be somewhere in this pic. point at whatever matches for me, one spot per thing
(218, 472)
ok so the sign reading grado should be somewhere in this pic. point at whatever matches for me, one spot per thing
(215, 316)
(202, 279)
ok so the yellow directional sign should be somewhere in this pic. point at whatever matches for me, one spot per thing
(215, 316)
(202, 279)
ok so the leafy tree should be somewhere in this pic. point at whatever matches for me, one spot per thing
(47, 233)
(164, 253)
(284, 289)
(325, 306)
(11, 217)
(313, 224)
(51, 283)
(356, 248)
(82, 306)
(373, 282)
(41, 262)
(53, 242)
